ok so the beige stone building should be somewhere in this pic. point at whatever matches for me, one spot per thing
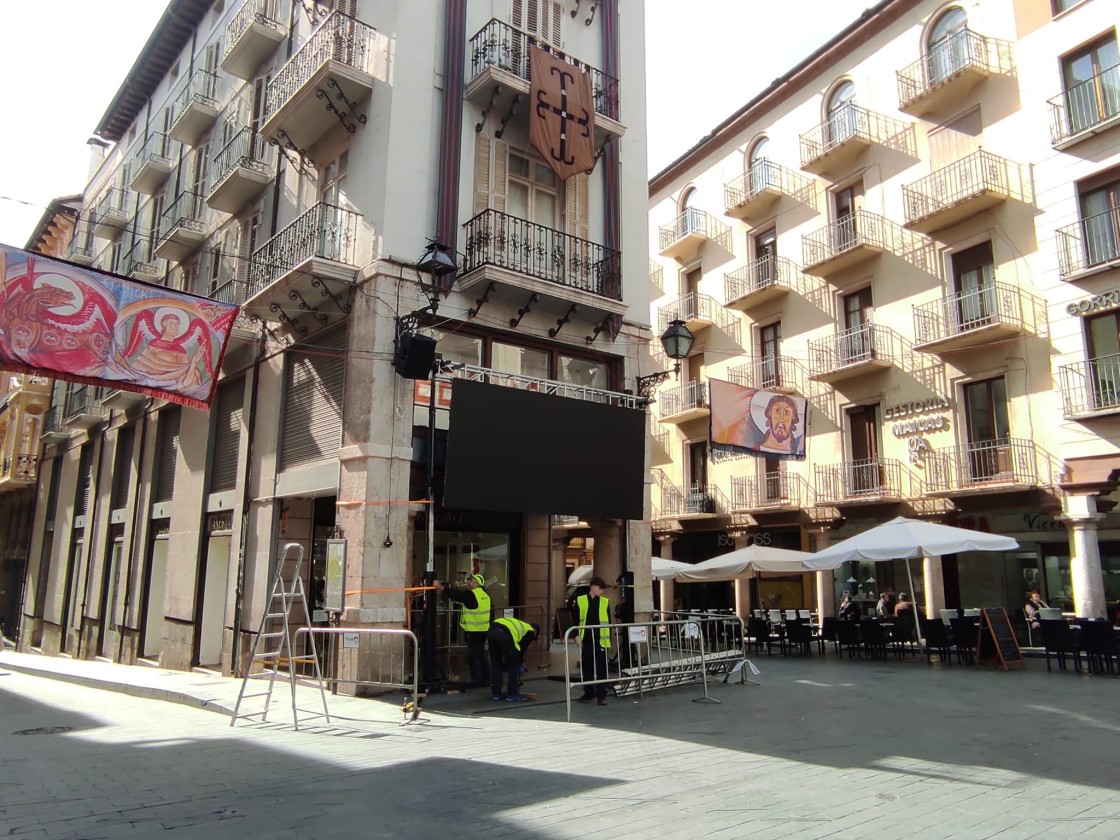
(914, 229)
(296, 158)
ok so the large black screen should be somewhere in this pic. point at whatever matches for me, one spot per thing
(524, 452)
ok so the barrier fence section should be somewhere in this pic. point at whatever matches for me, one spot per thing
(451, 641)
(665, 652)
(385, 653)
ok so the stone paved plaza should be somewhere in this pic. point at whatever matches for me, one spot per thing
(822, 748)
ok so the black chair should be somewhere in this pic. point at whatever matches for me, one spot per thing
(1098, 640)
(937, 638)
(902, 635)
(759, 634)
(847, 638)
(1059, 639)
(799, 635)
(872, 637)
(964, 638)
(828, 633)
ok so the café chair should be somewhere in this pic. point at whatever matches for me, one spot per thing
(1098, 640)
(937, 639)
(799, 635)
(1059, 639)
(948, 615)
(847, 638)
(828, 632)
(964, 639)
(873, 637)
(760, 633)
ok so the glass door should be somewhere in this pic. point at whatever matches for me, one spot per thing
(855, 340)
(1092, 84)
(844, 228)
(1100, 224)
(765, 253)
(1104, 360)
(698, 499)
(975, 279)
(987, 428)
(769, 339)
(864, 470)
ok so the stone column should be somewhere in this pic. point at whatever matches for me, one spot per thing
(825, 578)
(1081, 519)
(665, 586)
(608, 550)
(743, 588)
(934, 586)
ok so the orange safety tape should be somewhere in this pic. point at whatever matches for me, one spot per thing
(356, 502)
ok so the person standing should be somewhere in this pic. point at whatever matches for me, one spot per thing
(474, 619)
(508, 638)
(594, 609)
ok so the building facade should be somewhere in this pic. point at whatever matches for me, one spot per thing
(296, 158)
(914, 231)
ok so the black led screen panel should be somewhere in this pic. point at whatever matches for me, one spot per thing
(523, 452)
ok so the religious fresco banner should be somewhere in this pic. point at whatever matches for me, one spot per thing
(756, 422)
(83, 325)
(561, 114)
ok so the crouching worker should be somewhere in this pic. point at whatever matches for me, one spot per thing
(508, 638)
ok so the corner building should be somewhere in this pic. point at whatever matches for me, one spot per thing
(914, 229)
(295, 158)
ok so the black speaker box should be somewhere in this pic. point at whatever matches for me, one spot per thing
(416, 354)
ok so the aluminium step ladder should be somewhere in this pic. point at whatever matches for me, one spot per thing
(285, 613)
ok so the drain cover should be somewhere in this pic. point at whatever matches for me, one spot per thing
(45, 730)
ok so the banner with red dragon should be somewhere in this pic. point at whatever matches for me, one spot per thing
(71, 323)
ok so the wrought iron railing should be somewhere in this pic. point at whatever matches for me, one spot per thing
(657, 276)
(986, 462)
(542, 386)
(54, 420)
(1091, 386)
(661, 438)
(671, 499)
(693, 222)
(1093, 241)
(500, 45)
(263, 12)
(704, 498)
(694, 306)
(187, 212)
(339, 38)
(26, 467)
(85, 399)
(325, 231)
(157, 148)
(141, 259)
(773, 489)
(850, 122)
(769, 373)
(1085, 106)
(246, 150)
(961, 51)
(232, 291)
(112, 205)
(761, 176)
(81, 243)
(691, 395)
(983, 306)
(853, 346)
(978, 173)
(866, 478)
(201, 88)
(764, 273)
(505, 241)
(858, 229)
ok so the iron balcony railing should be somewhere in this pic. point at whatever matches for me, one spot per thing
(265, 12)
(232, 291)
(858, 229)
(962, 50)
(700, 498)
(187, 212)
(768, 373)
(693, 222)
(81, 248)
(141, 258)
(657, 276)
(114, 203)
(54, 420)
(979, 463)
(158, 148)
(661, 438)
(978, 173)
(984, 306)
(1091, 386)
(850, 122)
(201, 87)
(853, 346)
(85, 399)
(543, 386)
(1085, 106)
(865, 478)
(339, 38)
(246, 150)
(26, 467)
(764, 273)
(691, 395)
(505, 241)
(761, 176)
(773, 489)
(694, 306)
(500, 45)
(1093, 241)
(325, 232)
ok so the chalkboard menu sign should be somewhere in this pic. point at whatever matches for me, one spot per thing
(996, 639)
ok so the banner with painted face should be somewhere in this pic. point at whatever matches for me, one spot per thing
(82, 325)
(756, 422)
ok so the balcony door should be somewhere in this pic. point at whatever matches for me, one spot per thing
(845, 203)
(698, 500)
(765, 255)
(336, 233)
(760, 174)
(987, 430)
(534, 191)
(947, 47)
(773, 483)
(1100, 223)
(865, 468)
(840, 119)
(1092, 84)
(974, 274)
(769, 342)
(1103, 333)
(855, 341)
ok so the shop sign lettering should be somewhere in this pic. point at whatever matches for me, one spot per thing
(1096, 303)
(916, 407)
(919, 449)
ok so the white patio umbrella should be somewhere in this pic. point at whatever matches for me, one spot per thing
(660, 568)
(745, 563)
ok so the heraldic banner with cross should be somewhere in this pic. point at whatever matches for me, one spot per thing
(562, 116)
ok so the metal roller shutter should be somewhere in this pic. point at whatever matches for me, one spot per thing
(168, 453)
(314, 384)
(227, 435)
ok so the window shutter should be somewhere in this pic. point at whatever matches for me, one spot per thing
(518, 16)
(168, 454)
(500, 185)
(557, 16)
(314, 385)
(482, 154)
(227, 435)
(248, 245)
(198, 185)
(577, 205)
(85, 481)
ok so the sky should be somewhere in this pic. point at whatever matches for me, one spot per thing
(60, 70)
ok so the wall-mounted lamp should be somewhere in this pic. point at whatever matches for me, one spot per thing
(440, 268)
(677, 342)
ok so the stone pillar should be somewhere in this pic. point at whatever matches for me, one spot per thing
(608, 550)
(666, 585)
(1081, 519)
(559, 592)
(825, 578)
(743, 587)
(934, 586)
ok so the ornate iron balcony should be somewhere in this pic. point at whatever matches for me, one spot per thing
(852, 125)
(1091, 387)
(325, 232)
(982, 464)
(961, 189)
(141, 262)
(500, 45)
(80, 250)
(246, 150)
(26, 467)
(251, 36)
(775, 373)
(186, 213)
(544, 386)
(867, 479)
(993, 305)
(697, 310)
(232, 291)
(83, 401)
(110, 214)
(505, 241)
(1087, 108)
(849, 233)
(767, 273)
(772, 490)
(153, 162)
(1094, 241)
(689, 397)
(195, 108)
(765, 177)
(963, 53)
(866, 344)
(693, 224)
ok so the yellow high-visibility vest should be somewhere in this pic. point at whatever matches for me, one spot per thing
(517, 629)
(604, 618)
(476, 620)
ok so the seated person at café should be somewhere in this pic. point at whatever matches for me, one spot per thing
(904, 606)
(883, 608)
(1034, 604)
(849, 609)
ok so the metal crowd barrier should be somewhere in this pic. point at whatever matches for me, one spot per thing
(663, 653)
(451, 642)
(386, 654)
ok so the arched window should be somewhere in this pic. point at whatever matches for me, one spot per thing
(760, 173)
(947, 47)
(840, 117)
(689, 219)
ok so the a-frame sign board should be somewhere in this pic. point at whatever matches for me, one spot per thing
(996, 639)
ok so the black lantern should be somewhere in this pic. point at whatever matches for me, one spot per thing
(440, 267)
(677, 342)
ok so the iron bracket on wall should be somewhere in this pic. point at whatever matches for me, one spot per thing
(572, 310)
(343, 116)
(284, 143)
(314, 11)
(605, 324)
(336, 299)
(486, 111)
(480, 302)
(299, 328)
(591, 15)
(524, 310)
(304, 306)
(279, 339)
(512, 108)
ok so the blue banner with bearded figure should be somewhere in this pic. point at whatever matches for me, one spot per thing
(755, 422)
(81, 325)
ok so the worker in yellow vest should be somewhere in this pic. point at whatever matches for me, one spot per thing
(594, 609)
(475, 623)
(508, 638)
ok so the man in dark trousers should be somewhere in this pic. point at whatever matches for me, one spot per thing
(475, 622)
(508, 638)
(594, 609)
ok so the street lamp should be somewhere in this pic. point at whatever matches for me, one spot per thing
(677, 342)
